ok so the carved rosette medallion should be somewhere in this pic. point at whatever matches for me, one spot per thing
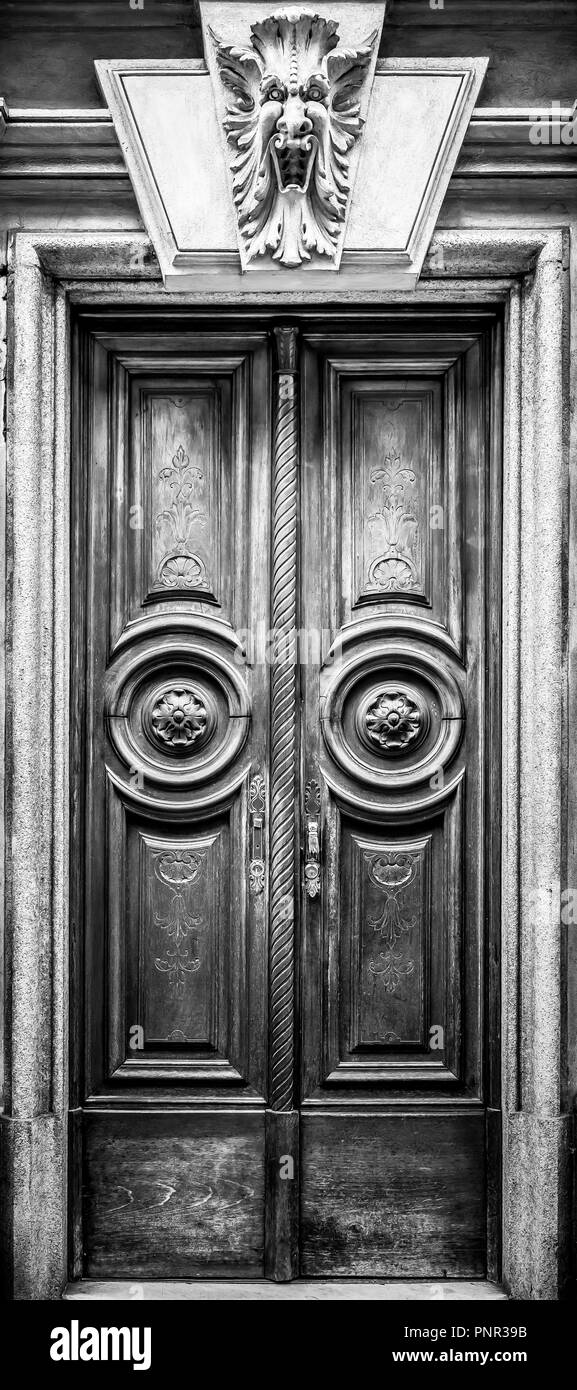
(392, 720)
(177, 715)
(293, 117)
(179, 719)
(394, 717)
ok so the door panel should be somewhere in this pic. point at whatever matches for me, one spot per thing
(395, 487)
(167, 1193)
(402, 1194)
(377, 416)
(173, 738)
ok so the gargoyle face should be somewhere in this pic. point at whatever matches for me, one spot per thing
(293, 116)
(294, 126)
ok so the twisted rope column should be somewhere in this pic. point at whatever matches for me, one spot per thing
(284, 723)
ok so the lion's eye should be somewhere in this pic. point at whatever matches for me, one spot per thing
(274, 93)
(315, 91)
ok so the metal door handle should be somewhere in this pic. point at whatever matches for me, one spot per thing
(256, 810)
(313, 847)
(313, 839)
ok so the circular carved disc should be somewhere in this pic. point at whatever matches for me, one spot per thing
(179, 718)
(394, 716)
(177, 713)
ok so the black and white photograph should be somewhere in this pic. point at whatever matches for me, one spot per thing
(288, 610)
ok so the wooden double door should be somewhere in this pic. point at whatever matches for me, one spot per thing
(285, 682)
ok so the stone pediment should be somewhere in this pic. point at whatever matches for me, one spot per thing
(292, 154)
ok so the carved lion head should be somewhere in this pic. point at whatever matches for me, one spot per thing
(293, 115)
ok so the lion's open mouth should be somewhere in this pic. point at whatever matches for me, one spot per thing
(293, 161)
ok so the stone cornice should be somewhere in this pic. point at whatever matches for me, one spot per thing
(55, 144)
(82, 146)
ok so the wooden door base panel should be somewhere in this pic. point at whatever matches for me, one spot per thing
(395, 1196)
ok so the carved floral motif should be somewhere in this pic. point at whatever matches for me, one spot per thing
(395, 570)
(312, 798)
(256, 796)
(393, 721)
(392, 872)
(293, 116)
(179, 718)
(180, 567)
(178, 869)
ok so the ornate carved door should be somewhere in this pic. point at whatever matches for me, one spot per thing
(285, 677)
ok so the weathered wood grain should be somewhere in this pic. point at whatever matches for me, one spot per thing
(281, 1261)
(178, 1195)
(398, 1196)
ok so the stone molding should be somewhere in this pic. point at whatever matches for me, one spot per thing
(52, 145)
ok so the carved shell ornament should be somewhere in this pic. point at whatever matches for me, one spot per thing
(293, 117)
(176, 867)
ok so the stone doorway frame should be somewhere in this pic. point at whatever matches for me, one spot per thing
(525, 270)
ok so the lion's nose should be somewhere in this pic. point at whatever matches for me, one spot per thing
(294, 122)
